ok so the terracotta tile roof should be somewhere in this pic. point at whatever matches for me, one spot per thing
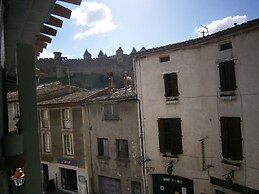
(47, 91)
(116, 95)
(203, 40)
(76, 97)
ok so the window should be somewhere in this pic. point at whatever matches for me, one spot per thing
(164, 59)
(122, 148)
(44, 118)
(225, 46)
(227, 76)
(46, 142)
(231, 138)
(135, 187)
(68, 179)
(109, 185)
(68, 144)
(170, 136)
(171, 85)
(111, 111)
(103, 147)
(66, 114)
(16, 110)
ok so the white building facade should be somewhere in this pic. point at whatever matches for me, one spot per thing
(200, 108)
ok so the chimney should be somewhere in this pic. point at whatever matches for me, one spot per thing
(57, 55)
(110, 82)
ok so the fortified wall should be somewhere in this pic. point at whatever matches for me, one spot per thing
(86, 70)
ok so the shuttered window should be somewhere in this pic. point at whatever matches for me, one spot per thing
(227, 76)
(103, 147)
(171, 85)
(170, 136)
(231, 138)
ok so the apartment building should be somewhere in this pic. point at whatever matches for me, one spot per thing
(113, 131)
(199, 110)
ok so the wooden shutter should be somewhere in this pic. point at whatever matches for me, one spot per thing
(230, 75)
(161, 135)
(235, 141)
(227, 76)
(222, 76)
(176, 136)
(171, 85)
(224, 137)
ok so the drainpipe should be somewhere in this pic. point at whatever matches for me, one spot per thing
(141, 124)
(142, 148)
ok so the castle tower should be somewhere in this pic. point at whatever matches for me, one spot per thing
(143, 49)
(87, 55)
(57, 55)
(133, 51)
(119, 51)
(100, 55)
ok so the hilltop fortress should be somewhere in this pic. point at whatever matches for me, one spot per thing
(87, 72)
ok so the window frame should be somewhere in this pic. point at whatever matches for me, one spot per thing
(231, 138)
(170, 136)
(68, 144)
(225, 46)
(165, 58)
(66, 114)
(171, 90)
(16, 110)
(103, 147)
(46, 147)
(227, 78)
(44, 121)
(111, 111)
(122, 149)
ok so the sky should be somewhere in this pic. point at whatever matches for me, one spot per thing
(109, 24)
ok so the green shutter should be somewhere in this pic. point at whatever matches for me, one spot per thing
(224, 136)
(235, 140)
(161, 135)
(230, 76)
(222, 76)
(176, 136)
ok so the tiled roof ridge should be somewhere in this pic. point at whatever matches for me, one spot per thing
(199, 40)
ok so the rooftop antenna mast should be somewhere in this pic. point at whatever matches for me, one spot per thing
(203, 32)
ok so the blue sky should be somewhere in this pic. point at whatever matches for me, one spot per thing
(107, 24)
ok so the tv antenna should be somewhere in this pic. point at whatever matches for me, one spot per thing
(203, 32)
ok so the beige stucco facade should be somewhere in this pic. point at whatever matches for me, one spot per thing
(200, 108)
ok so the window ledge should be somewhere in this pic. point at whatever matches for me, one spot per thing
(228, 95)
(173, 158)
(123, 159)
(104, 157)
(231, 165)
(111, 118)
(172, 100)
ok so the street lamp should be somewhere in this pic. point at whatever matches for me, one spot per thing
(18, 177)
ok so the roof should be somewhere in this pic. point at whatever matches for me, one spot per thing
(116, 95)
(72, 98)
(25, 23)
(56, 93)
(253, 24)
(47, 91)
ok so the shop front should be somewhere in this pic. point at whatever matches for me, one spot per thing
(169, 184)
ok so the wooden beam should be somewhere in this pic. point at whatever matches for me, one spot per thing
(55, 22)
(75, 2)
(48, 30)
(59, 10)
